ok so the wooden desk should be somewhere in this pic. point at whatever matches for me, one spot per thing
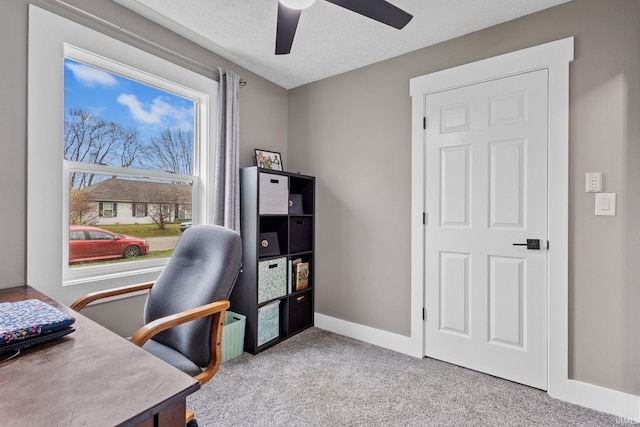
(91, 377)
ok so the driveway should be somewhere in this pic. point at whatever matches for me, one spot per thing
(162, 243)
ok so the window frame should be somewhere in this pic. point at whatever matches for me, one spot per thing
(47, 181)
(139, 206)
(185, 212)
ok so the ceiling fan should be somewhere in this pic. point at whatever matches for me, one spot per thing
(289, 12)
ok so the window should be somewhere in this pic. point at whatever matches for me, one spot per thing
(99, 235)
(184, 211)
(76, 235)
(136, 129)
(107, 209)
(136, 126)
(53, 183)
(139, 210)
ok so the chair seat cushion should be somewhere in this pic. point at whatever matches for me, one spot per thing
(172, 357)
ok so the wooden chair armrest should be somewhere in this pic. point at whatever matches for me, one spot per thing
(151, 329)
(80, 303)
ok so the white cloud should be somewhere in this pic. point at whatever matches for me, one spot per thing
(158, 112)
(137, 110)
(91, 76)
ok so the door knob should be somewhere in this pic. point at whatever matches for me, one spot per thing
(531, 244)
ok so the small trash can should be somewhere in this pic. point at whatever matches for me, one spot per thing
(232, 335)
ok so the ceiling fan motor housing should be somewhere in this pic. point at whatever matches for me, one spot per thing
(289, 14)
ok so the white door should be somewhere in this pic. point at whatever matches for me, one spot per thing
(486, 190)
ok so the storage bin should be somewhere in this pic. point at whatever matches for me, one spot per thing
(274, 194)
(300, 311)
(268, 322)
(300, 234)
(232, 335)
(272, 279)
(295, 204)
(269, 244)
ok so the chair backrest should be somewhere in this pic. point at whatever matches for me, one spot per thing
(202, 269)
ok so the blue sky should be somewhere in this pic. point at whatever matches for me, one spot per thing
(124, 101)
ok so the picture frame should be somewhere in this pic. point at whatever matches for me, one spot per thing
(268, 159)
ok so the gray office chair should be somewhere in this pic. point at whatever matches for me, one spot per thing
(185, 308)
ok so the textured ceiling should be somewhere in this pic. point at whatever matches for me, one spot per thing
(330, 40)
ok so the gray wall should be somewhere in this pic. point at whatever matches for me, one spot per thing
(353, 132)
(263, 110)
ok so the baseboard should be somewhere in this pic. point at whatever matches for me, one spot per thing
(624, 405)
(384, 339)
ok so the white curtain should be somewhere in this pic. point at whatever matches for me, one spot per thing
(226, 187)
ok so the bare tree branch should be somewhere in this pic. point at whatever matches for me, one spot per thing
(172, 151)
(89, 139)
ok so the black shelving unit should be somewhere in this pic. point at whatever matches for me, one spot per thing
(277, 226)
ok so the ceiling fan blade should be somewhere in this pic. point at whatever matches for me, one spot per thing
(380, 10)
(286, 29)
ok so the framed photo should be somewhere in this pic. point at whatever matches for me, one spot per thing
(268, 159)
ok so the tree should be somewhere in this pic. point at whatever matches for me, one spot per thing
(172, 151)
(89, 139)
(132, 151)
(81, 210)
(160, 213)
(165, 202)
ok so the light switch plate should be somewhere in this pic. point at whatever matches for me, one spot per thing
(594, 182)
(606, 204)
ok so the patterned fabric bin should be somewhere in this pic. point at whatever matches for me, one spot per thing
(272, 279)
(268, 322)
(232, 335)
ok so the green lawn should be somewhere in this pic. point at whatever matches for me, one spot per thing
(151, 255)
(144, 230)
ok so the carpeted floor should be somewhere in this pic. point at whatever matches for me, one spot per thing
(318, 378)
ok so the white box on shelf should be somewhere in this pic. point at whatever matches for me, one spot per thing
(274, 194)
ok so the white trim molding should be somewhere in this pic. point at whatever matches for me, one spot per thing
(624, 405)
(384, 339)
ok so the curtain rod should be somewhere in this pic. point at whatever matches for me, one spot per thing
(76, 9)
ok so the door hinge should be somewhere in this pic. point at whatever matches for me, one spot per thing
(547, 245)
(424, 123)
(424, 314)
(424, 218)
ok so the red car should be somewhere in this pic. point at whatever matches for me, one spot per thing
(88, 243)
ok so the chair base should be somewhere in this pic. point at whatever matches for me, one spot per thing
(191, 420)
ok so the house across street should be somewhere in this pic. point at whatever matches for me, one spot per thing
(125, 201)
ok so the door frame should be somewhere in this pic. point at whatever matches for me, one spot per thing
(555, 57)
